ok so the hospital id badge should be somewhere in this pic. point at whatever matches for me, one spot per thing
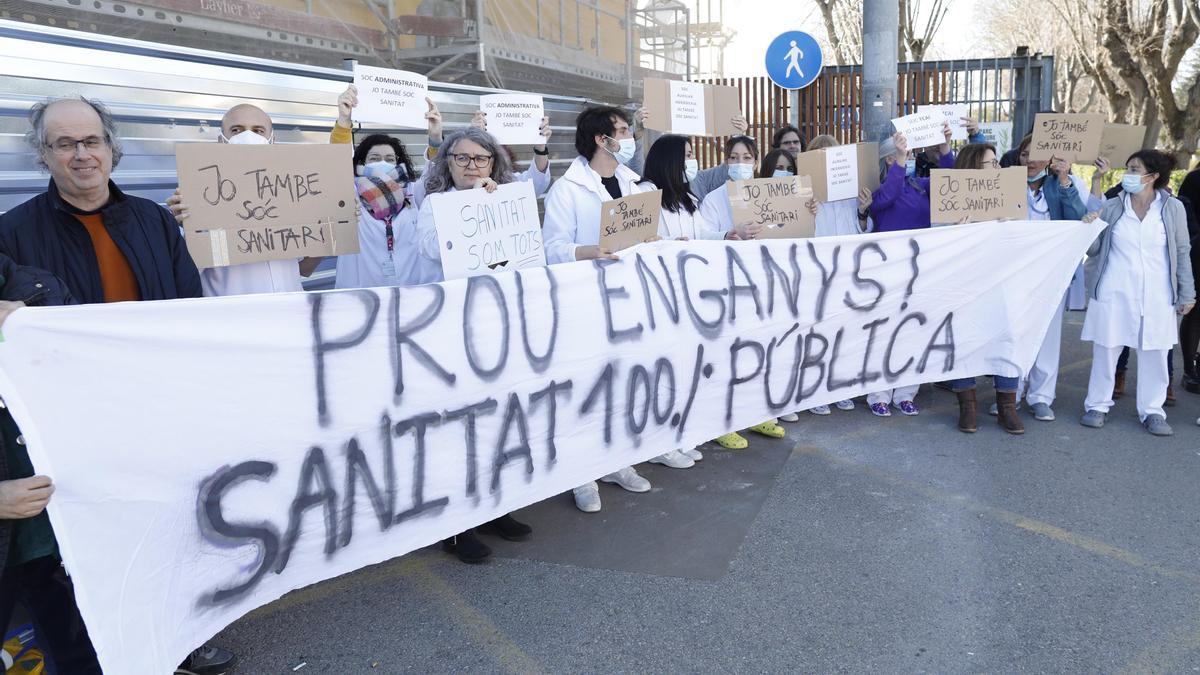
(389, 268)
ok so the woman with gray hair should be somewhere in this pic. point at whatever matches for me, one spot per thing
(468, 159)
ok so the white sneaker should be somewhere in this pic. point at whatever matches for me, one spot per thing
(819, 410)
(694, 453)
(587, 497)
(629, 479)
(674, 459)
(847, 404)
(789, 417)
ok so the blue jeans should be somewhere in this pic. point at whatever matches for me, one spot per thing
(1007, 385)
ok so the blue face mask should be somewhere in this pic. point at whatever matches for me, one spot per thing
(910, 167)
(782, 173)
(1040, 175)
(741, 171)
(1132, 183)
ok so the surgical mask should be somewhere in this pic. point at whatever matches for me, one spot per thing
(627, 150)
(248, 137)
(1132, 183)
(1040, 175)
(910, 167)
(782, 173)
(382, 169)
(691, 167)
(741, 171)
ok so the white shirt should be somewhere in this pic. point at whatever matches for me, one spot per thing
(573, 208)
(681, 224)
(373, 266)
(840, 217)
(1134, 306)
(271, 276)
(716, 209)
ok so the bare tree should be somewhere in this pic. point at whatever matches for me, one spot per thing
(843, 29)
(914, 38)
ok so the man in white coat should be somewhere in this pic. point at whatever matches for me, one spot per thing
(571, 229)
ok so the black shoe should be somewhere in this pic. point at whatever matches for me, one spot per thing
(207, 660)
(508, 528)
(1191, 384)
(467, 548)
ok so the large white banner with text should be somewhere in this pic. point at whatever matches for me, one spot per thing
(211, 455)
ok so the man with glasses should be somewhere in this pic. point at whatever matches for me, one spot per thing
(106, 246)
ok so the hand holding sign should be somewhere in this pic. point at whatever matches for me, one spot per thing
(630, 220)
(1074, 137)
(514, 119)
(487, 231)
(395, 97)
(772, 208)
(970, 195)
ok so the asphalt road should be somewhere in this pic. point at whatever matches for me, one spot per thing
(856, 544)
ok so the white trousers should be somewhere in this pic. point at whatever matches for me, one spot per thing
(1152, 380)
(1043, 377)
(893, 395)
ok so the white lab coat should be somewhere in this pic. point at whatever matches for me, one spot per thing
(681, 224)
(373, 266)
(715, 209)
(573, 209)
(840, 217)
(269, 276)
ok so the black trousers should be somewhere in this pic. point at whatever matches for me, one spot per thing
(43, 588)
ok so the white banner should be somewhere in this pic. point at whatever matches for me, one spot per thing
(394, 97)
(211, 455)
(481, 232)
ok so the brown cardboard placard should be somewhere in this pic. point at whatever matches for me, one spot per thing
(250, 203)
(1071, 136)
(815, 164)
(721, 104)
(629, 220)
(977, 195)
(780, 204)
(1120, 141)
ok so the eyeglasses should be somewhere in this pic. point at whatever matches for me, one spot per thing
(480, 161)
(68, 146)
(991, 164)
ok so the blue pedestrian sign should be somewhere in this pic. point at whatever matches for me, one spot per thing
(794, 60)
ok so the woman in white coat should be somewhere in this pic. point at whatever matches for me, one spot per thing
(1139, 277)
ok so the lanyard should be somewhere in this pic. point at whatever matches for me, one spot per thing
(391, 238)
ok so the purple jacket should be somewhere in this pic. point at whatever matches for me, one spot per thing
(898, 204)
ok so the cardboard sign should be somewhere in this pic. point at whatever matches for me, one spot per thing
(952, 113)
(514, 119)
(677, 107)
(251, 203)
(481, 232)
(392, 97)
(629, 220)
(840, 172)
(1119, 141)
(777, 203)
(1071, 136)
(977, 195)
(921, 129)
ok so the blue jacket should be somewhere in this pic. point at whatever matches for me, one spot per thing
(43, 233)
(1063, 202)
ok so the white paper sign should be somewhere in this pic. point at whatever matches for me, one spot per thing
(998, 134)
(841, 172)
(301, 436)
(952, 113)
(921, 129)
(488, 233)
(392, 97)
(514, 119)
(687, 108)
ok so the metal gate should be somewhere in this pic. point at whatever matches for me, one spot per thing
(1002, 89)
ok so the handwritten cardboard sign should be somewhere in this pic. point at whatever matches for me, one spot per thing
(780, 204)
(266, 202)
(481, 232)
(922, 129)
(1119, 141)
(514, 119)
(977, 195)
(629, 220)
(840, 172)
(392, 97)
(952, 113)
(691, 108)
(1071, 136)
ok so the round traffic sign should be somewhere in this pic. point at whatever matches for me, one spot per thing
(794, 60)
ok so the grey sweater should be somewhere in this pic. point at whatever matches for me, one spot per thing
(1178, 247)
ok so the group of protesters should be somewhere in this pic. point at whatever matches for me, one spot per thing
(85, 241)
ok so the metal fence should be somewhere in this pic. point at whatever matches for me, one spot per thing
(1003, 89)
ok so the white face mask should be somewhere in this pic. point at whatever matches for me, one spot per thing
(248, 137)
(627, 150)
(691, 167)
(741, 171)
(782, 173)
(381, 169)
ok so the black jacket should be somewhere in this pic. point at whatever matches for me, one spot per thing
(43, 233)
(35, 288)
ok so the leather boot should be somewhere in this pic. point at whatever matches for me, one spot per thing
(1119, 385)
(966, 411)
(1006, 409)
